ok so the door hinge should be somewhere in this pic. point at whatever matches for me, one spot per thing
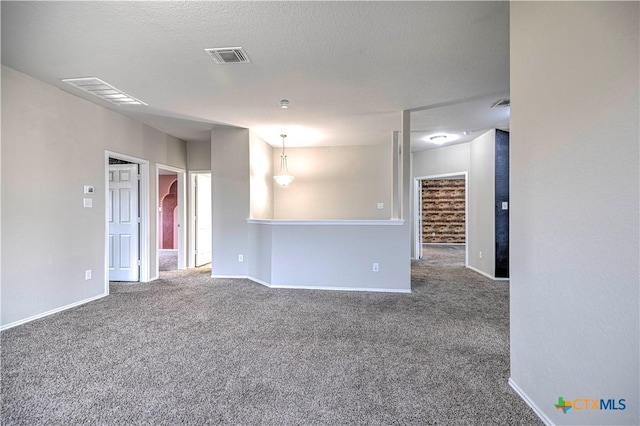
(139, 262)
(139, 220)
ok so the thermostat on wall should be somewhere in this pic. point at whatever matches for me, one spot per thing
(89, 190)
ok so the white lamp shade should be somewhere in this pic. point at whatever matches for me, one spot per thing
(283, 180)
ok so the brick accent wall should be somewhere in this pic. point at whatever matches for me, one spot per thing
(443, 211)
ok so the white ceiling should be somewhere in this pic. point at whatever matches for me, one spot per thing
(348, 68)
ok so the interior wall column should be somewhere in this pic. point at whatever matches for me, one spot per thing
(396, 189)
(405, 168)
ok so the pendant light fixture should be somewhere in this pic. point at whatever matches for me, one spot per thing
(283, 178)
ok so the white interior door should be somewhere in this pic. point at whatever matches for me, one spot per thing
(203, 218)
(123, 222)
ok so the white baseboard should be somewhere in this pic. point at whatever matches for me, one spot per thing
(547, 421)
(377, 290)
(255, 280)
(242, 277)
(53, 311)
(311, 287)
(486, 275)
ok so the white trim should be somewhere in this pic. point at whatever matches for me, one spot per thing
(547, 421)
(391, 222)
(365, 289)
(417, 209)
(417, 220)
(240, 277)
(143, 201)
(182, 234)
(486, 275)
(264, 283)
(191, 208)
(311, 287)
(53, 311)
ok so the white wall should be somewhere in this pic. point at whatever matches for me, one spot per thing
(482, 194)
(198, 155)
(261, 180)
(439, 161)
(230, 187)
(260, 252)
(341, 256)
(574, 206)
(53, 144)
(335, 183)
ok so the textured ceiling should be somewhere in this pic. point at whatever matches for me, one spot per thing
(348, 68)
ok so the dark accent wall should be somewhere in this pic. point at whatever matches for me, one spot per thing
(443, 211)
(502, 195)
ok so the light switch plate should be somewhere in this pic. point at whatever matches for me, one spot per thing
(87, 203)
(505, 205)
(380, 206)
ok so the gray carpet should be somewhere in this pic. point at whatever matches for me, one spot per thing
(189, 349)
(167, 260)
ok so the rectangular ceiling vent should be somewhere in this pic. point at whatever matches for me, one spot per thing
(502, 103)
(103, 90)
(228, 55)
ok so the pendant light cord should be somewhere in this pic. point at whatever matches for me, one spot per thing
(283, 157)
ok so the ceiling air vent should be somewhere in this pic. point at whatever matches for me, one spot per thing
(103, 90)
(502, 103)
(228, 55)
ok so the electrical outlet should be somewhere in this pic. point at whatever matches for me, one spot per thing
(240, 258)
(87, 274)
(480, 255)
(433, 234)
(376, 267)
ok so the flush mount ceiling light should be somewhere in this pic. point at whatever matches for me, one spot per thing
(441, 138)
(228, 55)
(284, 178)
(103, 90)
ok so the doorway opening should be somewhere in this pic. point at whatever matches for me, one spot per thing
(170, 218)
(167, 221)
(126, 219)
(441, 217)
